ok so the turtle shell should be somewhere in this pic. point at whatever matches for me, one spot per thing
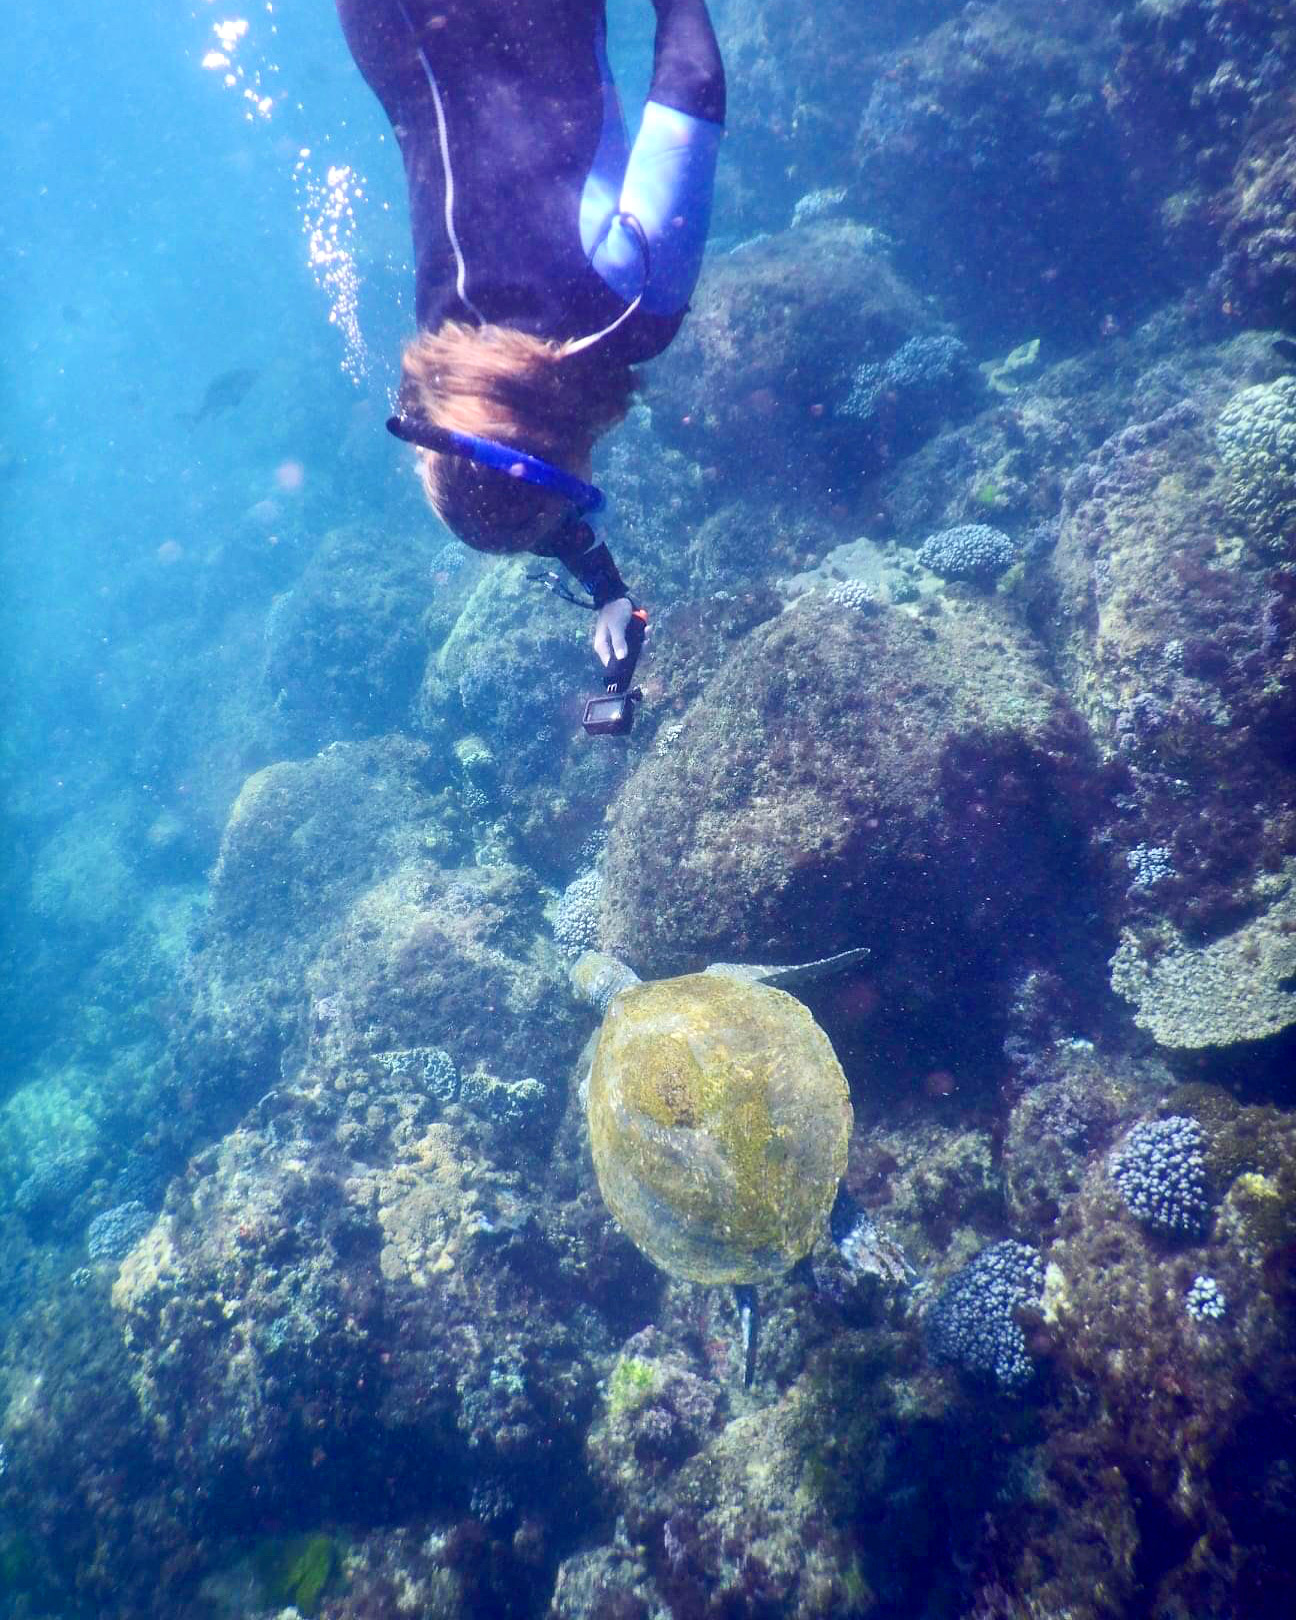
(719, 1119)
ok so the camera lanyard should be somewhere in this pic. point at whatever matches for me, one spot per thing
(556, 584)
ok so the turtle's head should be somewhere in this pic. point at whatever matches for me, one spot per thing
(597, 977)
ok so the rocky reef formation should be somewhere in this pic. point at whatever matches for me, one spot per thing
(1177, 649)
(851, 768)
(963, 511)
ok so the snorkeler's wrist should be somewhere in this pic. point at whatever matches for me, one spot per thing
(591, 562)
(599, 575)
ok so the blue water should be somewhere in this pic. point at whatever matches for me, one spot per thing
(308, 1290)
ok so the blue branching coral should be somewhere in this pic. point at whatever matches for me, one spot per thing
(1160, 1170)
(576, 924)
(969, 551)
(853, 593)
(973, 1323)
(112, 1235)
(925, 379)
(1204, 1302)
(1149, 865)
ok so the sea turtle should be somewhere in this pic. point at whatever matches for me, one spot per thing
(719, 1119)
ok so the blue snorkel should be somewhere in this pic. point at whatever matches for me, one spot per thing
(573, 543)
(502, 458)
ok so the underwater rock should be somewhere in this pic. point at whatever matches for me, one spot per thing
(1184, 1408)
(360, 1295)
(1256, 278)
(800, 811)
(776, 333)
(516, 668)
(791, 70)
(303, 842)
(972, 148)
(345, 646)
(338, 939)
(451, 959)
(1200, 91)
(757, 1513)
(1174, 638)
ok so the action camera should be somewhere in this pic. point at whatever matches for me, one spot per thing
(611, 712)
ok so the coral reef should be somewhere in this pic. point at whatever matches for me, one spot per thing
(1256, 435)
(1174, 1455)
(973, 551)
(1161, 1173)
(972, 1323)
(1173, 642)
(962, 508)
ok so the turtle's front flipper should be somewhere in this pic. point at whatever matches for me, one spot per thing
(790, 978)
(748, 1326)
(597, 977)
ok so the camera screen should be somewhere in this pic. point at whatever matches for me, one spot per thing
(613, 713)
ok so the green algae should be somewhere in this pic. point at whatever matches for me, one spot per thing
(630, 1385)
(296, 1570)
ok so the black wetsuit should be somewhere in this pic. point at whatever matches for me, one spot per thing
(507, 98)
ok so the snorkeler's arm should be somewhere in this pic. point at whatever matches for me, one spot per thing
(585, 556)
(687, 71)
(671, 169)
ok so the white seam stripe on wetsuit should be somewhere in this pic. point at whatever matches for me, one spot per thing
(443, 135)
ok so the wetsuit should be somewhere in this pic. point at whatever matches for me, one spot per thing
(516, 161)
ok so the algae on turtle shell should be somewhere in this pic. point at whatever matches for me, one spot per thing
(719, 1121)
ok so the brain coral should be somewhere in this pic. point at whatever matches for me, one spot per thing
(1256, 435)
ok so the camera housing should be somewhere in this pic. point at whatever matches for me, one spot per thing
(611, 714)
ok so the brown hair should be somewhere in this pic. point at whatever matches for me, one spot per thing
(523, 391)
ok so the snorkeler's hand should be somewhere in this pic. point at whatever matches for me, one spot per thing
(610, 630)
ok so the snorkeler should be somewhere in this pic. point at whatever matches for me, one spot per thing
(550, 258)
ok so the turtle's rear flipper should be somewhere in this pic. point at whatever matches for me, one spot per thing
(748, 1327)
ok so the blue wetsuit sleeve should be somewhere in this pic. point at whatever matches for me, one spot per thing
(670, 174)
